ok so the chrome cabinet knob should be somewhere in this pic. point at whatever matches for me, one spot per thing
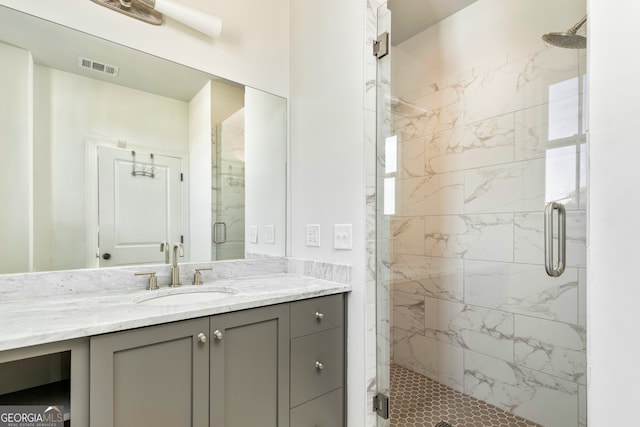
(319, 366)
(202, 338)
(217, 334)
(319, 315)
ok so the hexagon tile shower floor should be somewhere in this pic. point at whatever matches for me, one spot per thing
(417, 401)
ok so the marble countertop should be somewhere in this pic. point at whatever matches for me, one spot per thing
(44, 319)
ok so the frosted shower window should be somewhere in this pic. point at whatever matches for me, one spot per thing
(390, 168)
(566, 154)
(391, 154)
(564, 114)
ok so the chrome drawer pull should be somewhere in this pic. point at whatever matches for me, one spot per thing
(202, 338)
(217, 334)
(319, 315)
(319, 366)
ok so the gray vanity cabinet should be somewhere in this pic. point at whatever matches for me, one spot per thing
(275, 366)
(317, 362)
(154, 376)
(228, 370)
(250, 368)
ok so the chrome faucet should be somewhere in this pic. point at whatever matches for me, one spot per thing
(178, 248)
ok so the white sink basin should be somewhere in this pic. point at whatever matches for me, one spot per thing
(186, 296)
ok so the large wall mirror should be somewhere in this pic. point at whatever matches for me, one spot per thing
(110, 154)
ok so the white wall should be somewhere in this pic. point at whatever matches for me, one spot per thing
(327, 153)
(200, 166)
(614, 197)
(265, 169)
(252, 49)
(16, 190)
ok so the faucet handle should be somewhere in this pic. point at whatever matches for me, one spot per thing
(164, 247)
(180, 248)
(197, 276)
(153, 280)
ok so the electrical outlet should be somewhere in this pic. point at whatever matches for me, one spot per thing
(343, 237)
(313, 235)
(270, 234)
(253, 234)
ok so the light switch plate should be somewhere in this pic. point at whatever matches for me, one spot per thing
(343, 237)
(253, 234)
(270, 234)
(313, 235)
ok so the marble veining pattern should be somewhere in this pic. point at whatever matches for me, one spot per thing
(434, 112)
(522, 288)
(529, 238)
(68, 282)
(514, 187)
(555, 348)
(485, 143)
(487, 237)
(409, 312)
(441, 361)
(407, 235)
(474, 328)
(411, 158)
(421, 275)
(485, 138)
(48, 317)
(430, 195)
(521, 391)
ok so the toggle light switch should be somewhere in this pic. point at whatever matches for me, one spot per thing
(343, 237)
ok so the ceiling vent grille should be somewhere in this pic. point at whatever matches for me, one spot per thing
(99, 67)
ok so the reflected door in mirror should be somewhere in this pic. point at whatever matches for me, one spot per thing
(139, 205)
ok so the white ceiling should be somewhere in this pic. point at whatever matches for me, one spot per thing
(59, 47)
(410, 17)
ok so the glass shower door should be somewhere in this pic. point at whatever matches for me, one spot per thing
(385, 188)
(480, 126)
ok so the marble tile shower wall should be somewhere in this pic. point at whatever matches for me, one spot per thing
(472, 305)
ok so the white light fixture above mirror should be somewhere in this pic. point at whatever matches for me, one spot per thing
(151, 11)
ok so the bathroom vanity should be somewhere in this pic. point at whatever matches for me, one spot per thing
(271, 353)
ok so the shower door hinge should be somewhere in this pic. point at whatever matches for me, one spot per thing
(381, 405)
(381, 45)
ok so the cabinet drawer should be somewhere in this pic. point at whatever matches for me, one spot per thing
(315, 315)
(317, 365)
(325, 411)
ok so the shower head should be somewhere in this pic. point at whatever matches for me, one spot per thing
(568, 39)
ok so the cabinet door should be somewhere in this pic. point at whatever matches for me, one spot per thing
(155, 376)
(250, 368)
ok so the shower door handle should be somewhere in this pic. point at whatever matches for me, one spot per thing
(555, 270)
(216, 238)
